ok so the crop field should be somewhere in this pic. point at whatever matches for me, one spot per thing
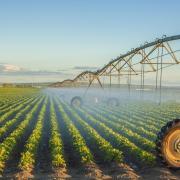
(42, 135)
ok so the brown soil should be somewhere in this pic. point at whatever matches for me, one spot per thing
(159, 173)
(23, 175)
(93, 172)
(122, 171)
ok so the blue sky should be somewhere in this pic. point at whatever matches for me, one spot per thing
(61, 35)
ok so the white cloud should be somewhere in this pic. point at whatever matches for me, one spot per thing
(9, 68)
(14, 73)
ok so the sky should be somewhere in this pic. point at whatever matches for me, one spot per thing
(50, 40)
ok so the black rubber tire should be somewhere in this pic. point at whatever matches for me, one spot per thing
(113, 102)
(76, 99)
(159, 142)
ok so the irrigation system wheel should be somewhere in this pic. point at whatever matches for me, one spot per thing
(168, 144)
(113, 102)
(76, 101)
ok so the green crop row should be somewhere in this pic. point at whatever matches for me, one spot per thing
(104, 148)
(126, 132)
(77, 140)
(118, 141)
(55, 142)
(15, 109)
(9, 144)
(11, 122)
(123, 119)
(28, 157)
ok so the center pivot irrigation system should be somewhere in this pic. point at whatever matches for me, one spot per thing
(150, 58)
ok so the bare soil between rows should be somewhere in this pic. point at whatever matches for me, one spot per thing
(114, 172)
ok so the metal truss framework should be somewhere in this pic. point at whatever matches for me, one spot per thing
(151, 57)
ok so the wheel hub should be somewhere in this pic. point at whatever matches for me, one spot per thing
(77, 102)
(177, 146)
(171, 147)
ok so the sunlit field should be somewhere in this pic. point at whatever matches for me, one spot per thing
(41, 133)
